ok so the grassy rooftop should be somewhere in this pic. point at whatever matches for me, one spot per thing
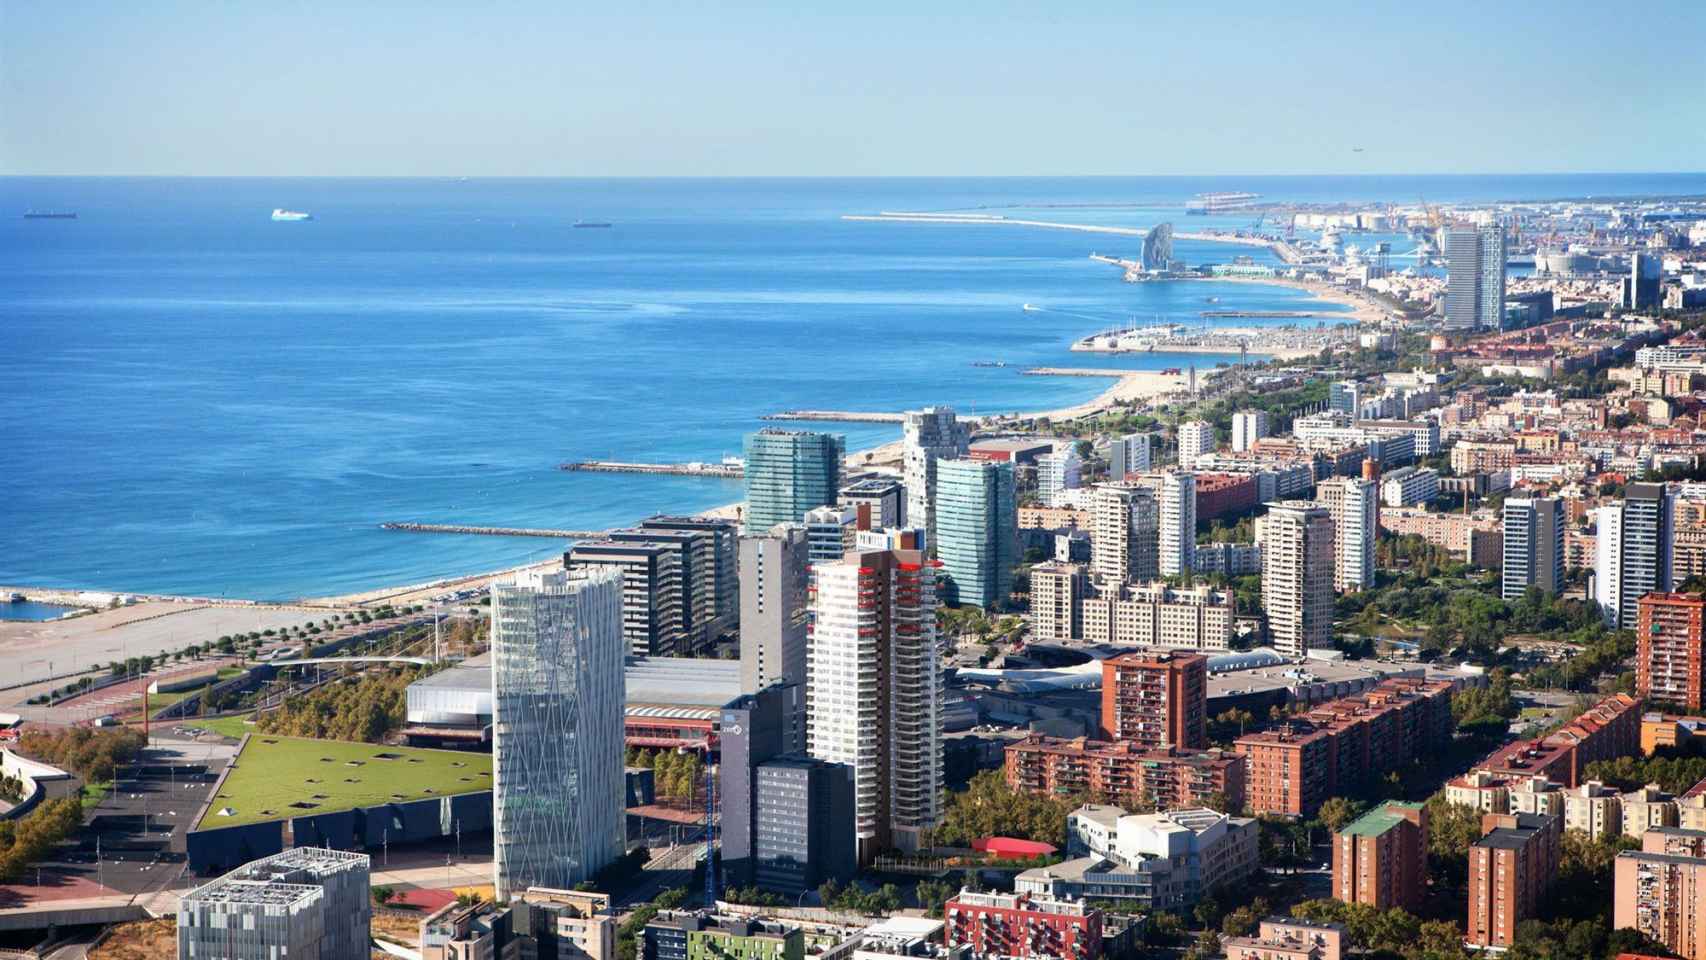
(274, 775)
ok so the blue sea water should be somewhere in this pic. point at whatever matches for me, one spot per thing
(198, 400)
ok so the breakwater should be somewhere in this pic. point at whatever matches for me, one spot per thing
(492, 531)
(839, 416)
(716, 471)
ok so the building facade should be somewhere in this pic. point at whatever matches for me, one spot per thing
(1633, 550)
(1533, 546)
(1196, 437)
(788, 472)
(1381, 858)
(1125, 774)
(651, 580)
(929, 435)
(1125, 538)
(557, 726)
(1297, 575)
(1248, 426)
(1669, 665)
(1510, 870)
(977, 533)
(1156, 700)
(1354, 505)
(1475, 279)
(774, 607)
(1178, 536)
(1128, 455)
(1022, 925)
(304, 902)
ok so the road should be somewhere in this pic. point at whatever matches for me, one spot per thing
(669, 867)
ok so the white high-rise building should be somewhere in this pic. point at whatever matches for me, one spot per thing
(1196, 437)
(557, 706)
(1128, 455)
(1354, 504)
(928, 435)
(1633, 550)
(1248, 426)
(1534, 546)
(1057, 473)
(1126, 527)
(874, 692)
(1297, 575)
(1178, 538)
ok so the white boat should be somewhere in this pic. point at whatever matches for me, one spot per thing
(290, 216)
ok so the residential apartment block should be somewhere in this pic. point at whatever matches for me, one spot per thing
(1670, 667)
(1156, 700)
(1124, 773)
(1510, 869)
(1023, 925)
(1381, 858)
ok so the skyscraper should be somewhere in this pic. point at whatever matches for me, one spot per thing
(1128, 455)
(1248, 426)
(1534, 546)
(789, 472)
(1196, 437)
(875, 691)
(1125, 535)
(931, 434)
(1056, 474)
(977, 532)
(1297, 575)
(557, 693)
(1642, 289)
(1475, 281)
(1344, 396)
(1633, 550)
(773, 607)
(1354, 504)
(1178, 537)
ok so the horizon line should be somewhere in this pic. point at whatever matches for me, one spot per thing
(837, 176)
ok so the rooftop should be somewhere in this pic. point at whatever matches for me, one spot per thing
(1379, 820)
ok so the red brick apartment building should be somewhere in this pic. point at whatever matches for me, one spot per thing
(1023, 925)
(1221, 494)
(1668, 662)
(1297, 765)
(1510, 869)
(1381, 858)
(1123, 773)
(1157, 699)
(1606, 731)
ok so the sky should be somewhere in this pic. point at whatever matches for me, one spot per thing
(584, 88)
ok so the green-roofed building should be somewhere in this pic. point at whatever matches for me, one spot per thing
(1380, 858)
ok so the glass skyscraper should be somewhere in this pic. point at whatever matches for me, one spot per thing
(977, 534)
(557, 692)
(788, 473)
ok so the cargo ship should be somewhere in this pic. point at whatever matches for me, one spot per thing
(1206, 203)
(49, 215)
(589, 224)
(290, 216)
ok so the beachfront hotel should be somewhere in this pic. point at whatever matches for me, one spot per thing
(557, 705)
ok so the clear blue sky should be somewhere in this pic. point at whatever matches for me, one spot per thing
(576, 87)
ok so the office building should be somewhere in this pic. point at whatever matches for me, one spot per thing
(784, 815)
(1354, 505)
(1154, 861)
(538, 924)
(1157, 615)
(1643, 288)
(1248, 426)
(1662, 895)
(1196, 437)
(880, 501)
(1669, 666)
(1344, 396)
(977, 531)
(1297, 537)
(1286, 938)
(695, 580)
(830, 532)
(1023, 925)
(1124, 773)
(1057, 473)
(1475, 279)
(1534, 546)
(1128, 455)
(304, 902)
(1178, 536)
(1125, 536)
(1381, 858)
(1510, 869)
(701, 935)
(789, 472)
(1156, 700)
(651, 580)
(875, 692)
(557, 706)
(773, 607)
(929, 435)
(724, 570)
(1633, 550)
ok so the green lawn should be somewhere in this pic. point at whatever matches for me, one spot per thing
(278, 777)
(233, 727)
(94, 793)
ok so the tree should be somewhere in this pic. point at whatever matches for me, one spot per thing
(383, 895)
(1335, 812)
(989, 807)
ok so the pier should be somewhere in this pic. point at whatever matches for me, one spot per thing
(1273, 314)
(493, 531)
(837, 416)
(714, 471)
(1082, 372)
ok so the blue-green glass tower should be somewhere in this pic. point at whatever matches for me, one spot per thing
(977, 530)
(789, 472)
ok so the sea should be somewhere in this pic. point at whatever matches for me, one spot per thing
(198, 400)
